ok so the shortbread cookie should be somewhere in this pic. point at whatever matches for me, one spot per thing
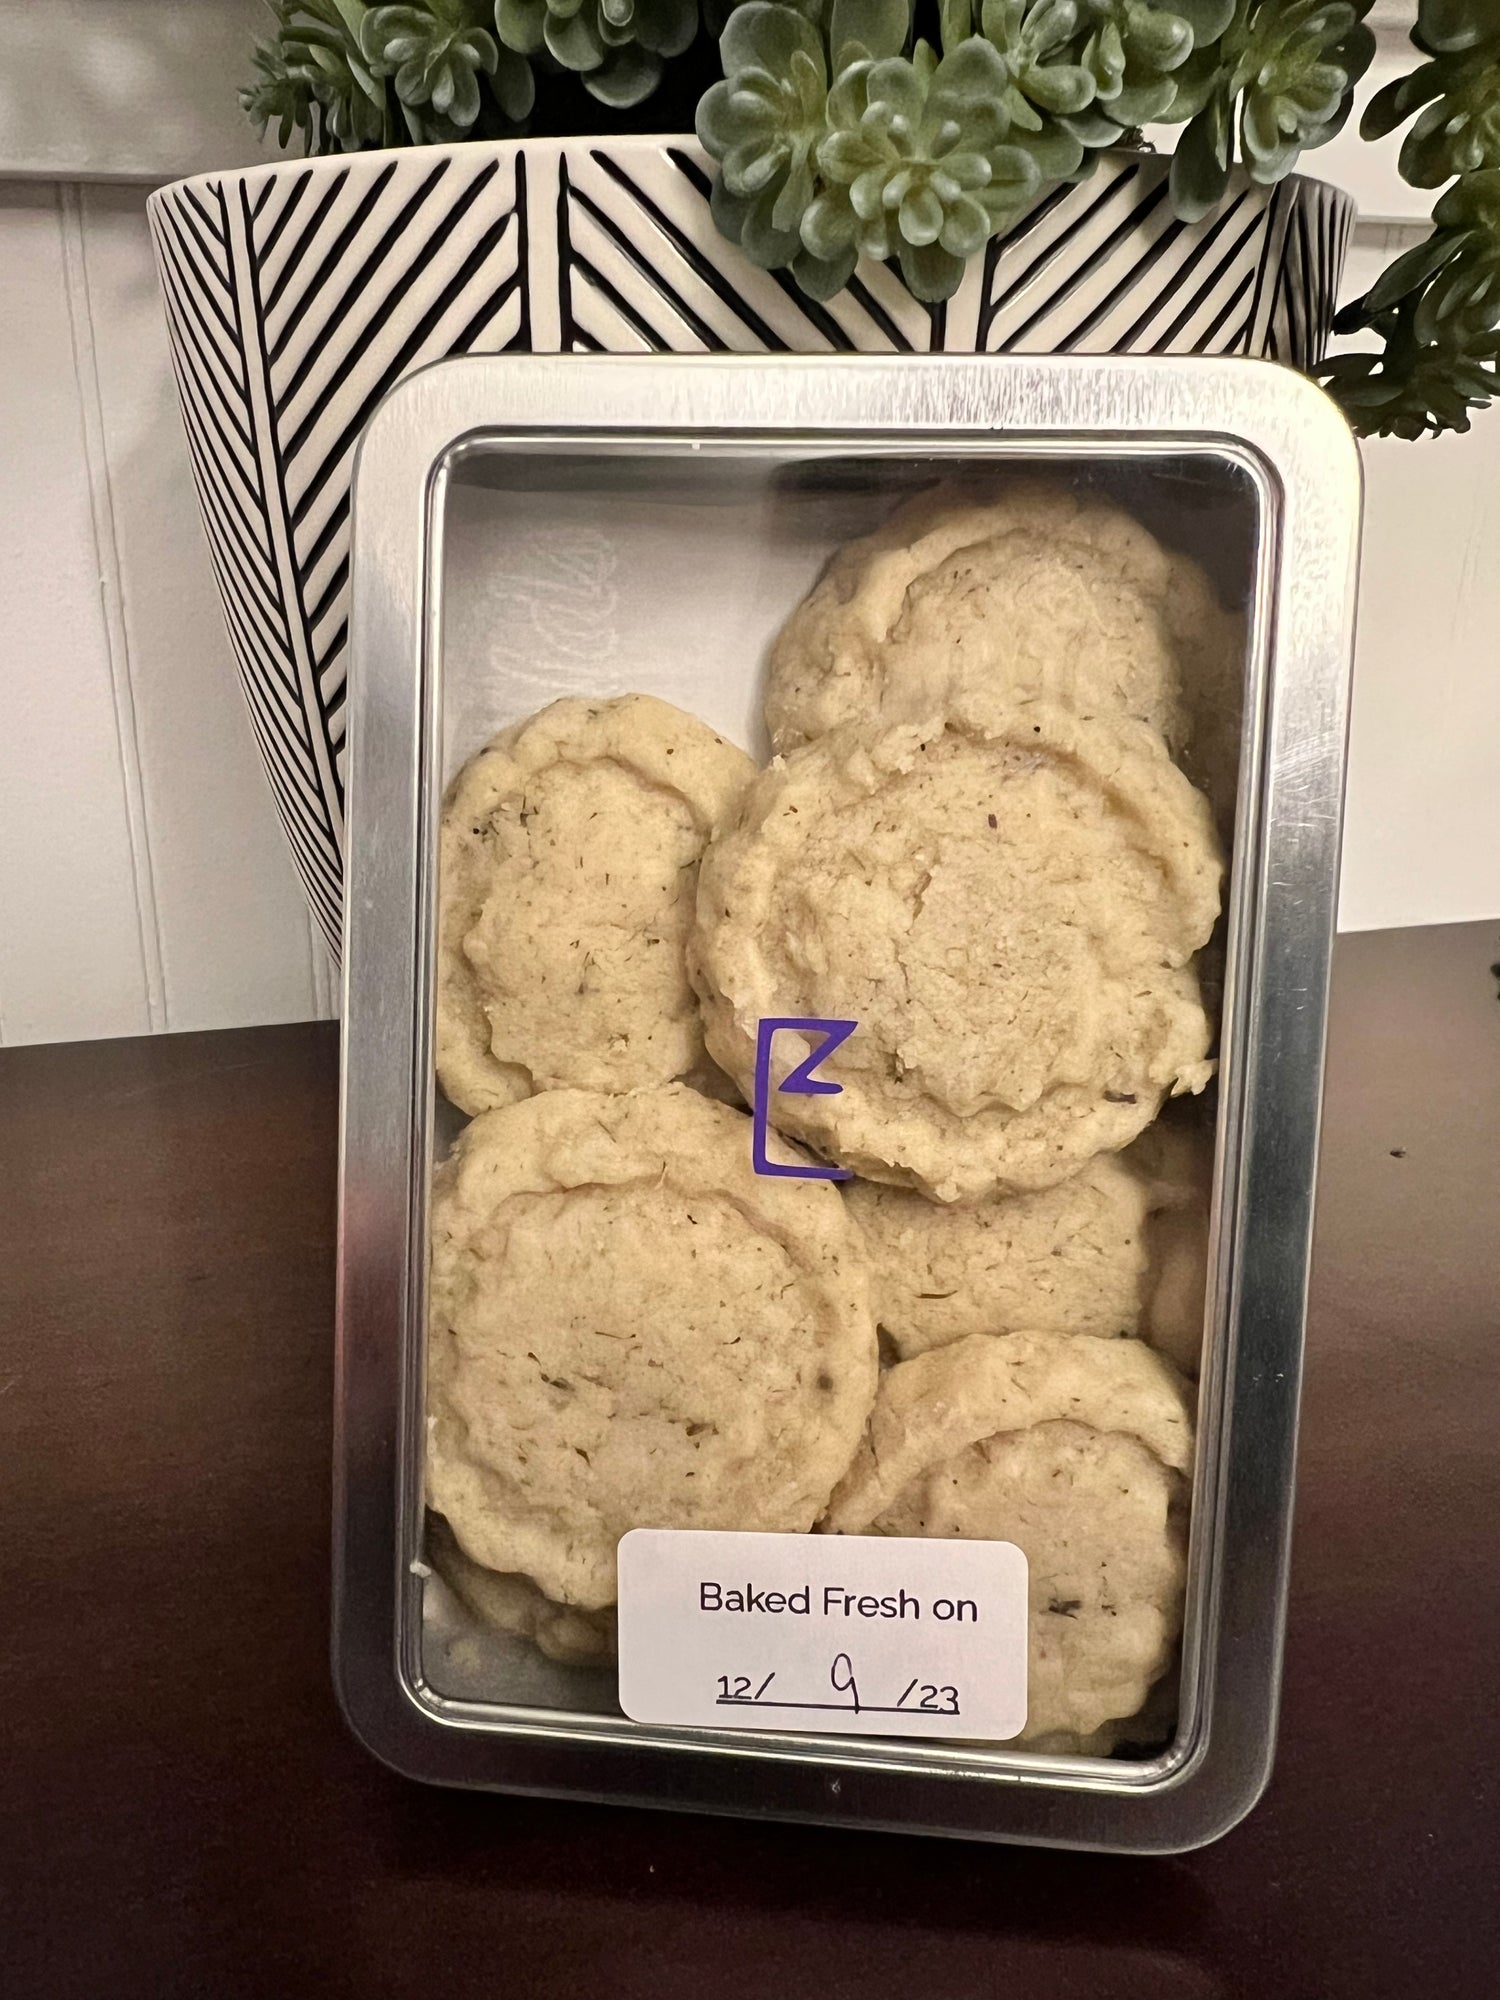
(1116, 1249)
(1009, 916)
(569, 863)
(1068, 1259)
(1074, 1449)
(958, 602)
(630, 1328)
(514, 1605)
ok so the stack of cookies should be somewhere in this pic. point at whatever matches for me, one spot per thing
(981, 842)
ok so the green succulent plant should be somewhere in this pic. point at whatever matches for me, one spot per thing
(1437, 309)
(915, 165)
(1279, 80)
(1137, 53)
(435, 56)
(763, 124)
(916, 131)
(1456, 94)
(313, 79)
(619, 47)
(1043, 83)
(280, 95)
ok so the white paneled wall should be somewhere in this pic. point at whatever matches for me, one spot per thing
(1420, 845)
(143, 880)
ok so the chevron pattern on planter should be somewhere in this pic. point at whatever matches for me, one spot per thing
(296, 295)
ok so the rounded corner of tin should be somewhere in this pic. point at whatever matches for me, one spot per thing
(386, 1718)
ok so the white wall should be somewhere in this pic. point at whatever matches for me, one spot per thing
(143, 881)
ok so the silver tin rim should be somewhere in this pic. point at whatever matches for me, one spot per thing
(1290, 441)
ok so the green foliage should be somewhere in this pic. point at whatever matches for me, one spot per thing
(1138, 55)
(916, 131)
(313, 80)
(915, 165)
(435, 56)
(763, 124)
(1456, 94)
(618, 47)
(1437, 309)
(1278, 81)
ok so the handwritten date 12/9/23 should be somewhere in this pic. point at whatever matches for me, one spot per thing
(918, 1696)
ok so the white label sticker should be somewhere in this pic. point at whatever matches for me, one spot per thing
(855, 1634)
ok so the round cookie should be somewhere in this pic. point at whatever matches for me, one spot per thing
(1067, 1259)
(1119, 1248)
(1009, 915)
(629, 1328)
(956, 602)
(1072, 1448)
(569, 852)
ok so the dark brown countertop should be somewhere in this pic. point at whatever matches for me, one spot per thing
(182, 1813)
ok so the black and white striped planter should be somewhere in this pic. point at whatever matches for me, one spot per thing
(297, 294)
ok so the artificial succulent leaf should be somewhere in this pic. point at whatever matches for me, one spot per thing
(932, 273)
(1208, 19)
(897, 91)
(1160, 39)
(967, 226)
(1092, 128)
(877, 27)
(794, 197)
(666, 27)
(1395, 102)
(1144, 103)
(763, 242)
(920, 215)
(966, 82)
(1056, 154)
(763, 35)
(521, 25)
(462, 93)
(514, 86)
(821, 277)
(830, 225)
(1064, 89)
(627, 76)
(956, 23)
(573, 41)
(1453, 26)
(1200, 165)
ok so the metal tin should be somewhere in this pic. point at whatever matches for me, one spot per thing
(1281, 443)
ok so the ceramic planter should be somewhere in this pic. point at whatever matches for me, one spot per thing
(297, 294)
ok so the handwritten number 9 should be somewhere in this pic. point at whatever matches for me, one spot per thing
(842, 1676)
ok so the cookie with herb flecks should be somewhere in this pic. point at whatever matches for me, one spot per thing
(1009, 913)
(629, 1327)
(1119, 1248)
(1075, 1449)
(569, 853)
